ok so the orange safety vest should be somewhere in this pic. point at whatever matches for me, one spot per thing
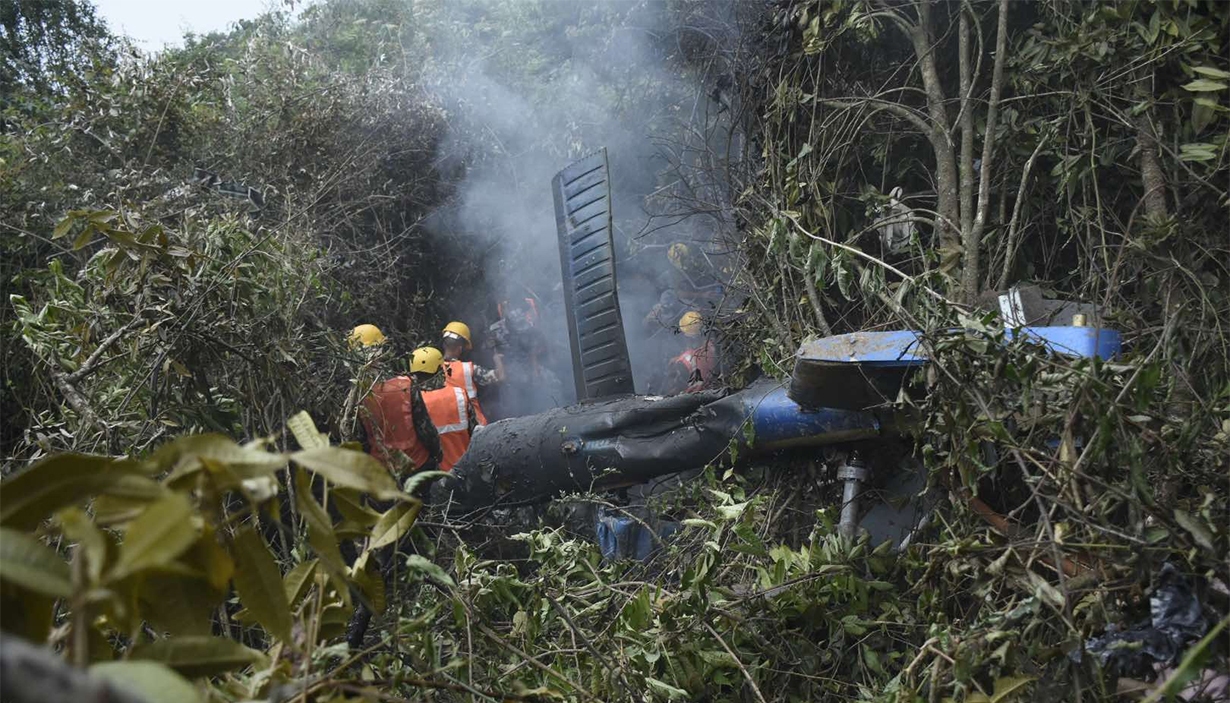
(447, 408)
(700, 365)
(460, 374)
(389, 421)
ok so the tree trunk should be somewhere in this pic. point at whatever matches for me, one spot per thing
(947, 182)
(967, 126)
(1151, 174)
(971, 275)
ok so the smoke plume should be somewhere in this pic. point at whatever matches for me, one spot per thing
(531, 87)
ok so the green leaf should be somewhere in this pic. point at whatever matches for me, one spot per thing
(320, 531)
(393, 524)
(418, 479)
(26, 613)
(78, 527)
(212, 559)
(1197, 152)
(1204, 85)
(152, 681)
(349, 503)
(259, 583)
(852, 624)
(1199, 531)
(1209, 101)
(370, 582)
(31, 496)
(752, 544)
(1044, 590)
(160, 534)
(334, 620)
(872, 660)
(63, 226)
(84, 238)
(349, 468)
(305, 432)
(718, 658)
(298, 580)
(1211, 72)
(27, 562)
(185, 453)
(662, 688)
(124, 499)
(732, 512)
(181, 605)
(1007, 688)
(420, 564)
(200, 656)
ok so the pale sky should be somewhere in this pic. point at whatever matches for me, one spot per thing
(153, 23)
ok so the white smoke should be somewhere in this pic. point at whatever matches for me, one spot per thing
(594, 74)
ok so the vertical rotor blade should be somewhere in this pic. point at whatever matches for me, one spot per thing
(600, 364)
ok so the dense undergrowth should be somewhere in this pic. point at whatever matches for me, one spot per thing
(1087, 152)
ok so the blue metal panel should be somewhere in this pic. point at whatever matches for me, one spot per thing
(903, 347)
(1086, 342)
(777, 422)
(621, 537)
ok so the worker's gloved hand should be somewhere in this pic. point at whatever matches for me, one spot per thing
(498, 334)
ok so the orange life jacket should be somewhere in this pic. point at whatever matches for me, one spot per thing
(448, 410)
(460, 374)
(699, 365)
(389, 420)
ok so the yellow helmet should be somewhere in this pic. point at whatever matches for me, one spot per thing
(458, 329)
(366, 336)
(679, 254)
(426, 360)
(690, 324)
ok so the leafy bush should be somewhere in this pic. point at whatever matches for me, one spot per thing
(165, 539)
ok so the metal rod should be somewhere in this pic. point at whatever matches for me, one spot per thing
(853, 472)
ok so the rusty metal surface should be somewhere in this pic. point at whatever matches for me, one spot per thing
(855, 371)
(893, 347)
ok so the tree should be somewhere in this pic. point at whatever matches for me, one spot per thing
(47, 43)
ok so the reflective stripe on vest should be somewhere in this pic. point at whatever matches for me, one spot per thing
(464, 379)
(447, 408)
(699, 364)
(688, 359)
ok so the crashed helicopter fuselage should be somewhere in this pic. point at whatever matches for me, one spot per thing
(841, 392)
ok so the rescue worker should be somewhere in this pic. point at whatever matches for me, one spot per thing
(366, 335)
(467, 375)
(690, 285)
(529, 385)
(400, 433)
(451, 409)
(696, 368)
(367, 351)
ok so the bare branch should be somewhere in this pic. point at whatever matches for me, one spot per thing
(1010, 249)
(903, 111)
(92, 362)
(970, 273)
